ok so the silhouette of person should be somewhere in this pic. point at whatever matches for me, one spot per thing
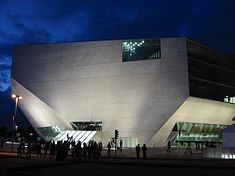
(19, 150)
(137, 149)
(121, 143)
(38, 149)
(46, 147)
(29, 149)
(109, 148)
(52, 148)
(84, 151)
(144, 150)
(168, 146)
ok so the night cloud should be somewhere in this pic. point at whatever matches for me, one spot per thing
(4, 76)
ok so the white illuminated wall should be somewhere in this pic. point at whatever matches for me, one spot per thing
(78, 81)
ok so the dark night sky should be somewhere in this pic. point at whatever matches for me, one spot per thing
(211, 22)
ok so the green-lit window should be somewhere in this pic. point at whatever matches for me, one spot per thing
(87, 125)
(49, 132)
(228, 99)
(134, 50)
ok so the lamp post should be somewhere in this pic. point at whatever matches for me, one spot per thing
(17, 98)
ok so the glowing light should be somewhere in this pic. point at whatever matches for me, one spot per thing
(16, 96)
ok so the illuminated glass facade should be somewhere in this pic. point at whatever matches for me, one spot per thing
(211, 73)
(87, 126)
(198, 133)
(49, 132)
(228, 99)
(134, 50)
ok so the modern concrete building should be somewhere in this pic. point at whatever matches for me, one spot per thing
(150, 90)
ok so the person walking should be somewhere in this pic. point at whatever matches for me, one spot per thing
(169, 146)
(46, 147)
(137, 149)
(29, 149)
(109, 148)
(121, 143)
(19, 150)
(144, 151)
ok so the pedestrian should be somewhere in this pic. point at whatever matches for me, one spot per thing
(109, 148)
(169, 146)
(46, 148)
(144, 151)
(19, 150)
(84, 151)
(121, 143)
(137, 149)
(29, 149)
(38, 150)
(52, 149)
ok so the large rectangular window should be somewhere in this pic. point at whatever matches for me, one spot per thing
(134, 50)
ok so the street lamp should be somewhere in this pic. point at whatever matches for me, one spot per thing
(17, 99)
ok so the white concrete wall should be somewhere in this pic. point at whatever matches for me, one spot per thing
(89, 81)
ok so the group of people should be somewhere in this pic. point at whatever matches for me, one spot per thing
(78, 151)
(21, 149)
(144, 150)
(137, 149)
(109, 146)
(61, 150)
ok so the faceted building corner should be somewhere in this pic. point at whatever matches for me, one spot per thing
(150, 90)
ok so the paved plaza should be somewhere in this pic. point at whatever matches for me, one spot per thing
(125, 162)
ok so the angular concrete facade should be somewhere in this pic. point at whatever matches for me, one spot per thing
(88, 81)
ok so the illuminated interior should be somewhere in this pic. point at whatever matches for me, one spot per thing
(201, 133)
(49, 132)
(134, 50)
(228, 99)
(87, 125)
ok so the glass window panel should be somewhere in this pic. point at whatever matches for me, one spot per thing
(199, 132)
(134, 50)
